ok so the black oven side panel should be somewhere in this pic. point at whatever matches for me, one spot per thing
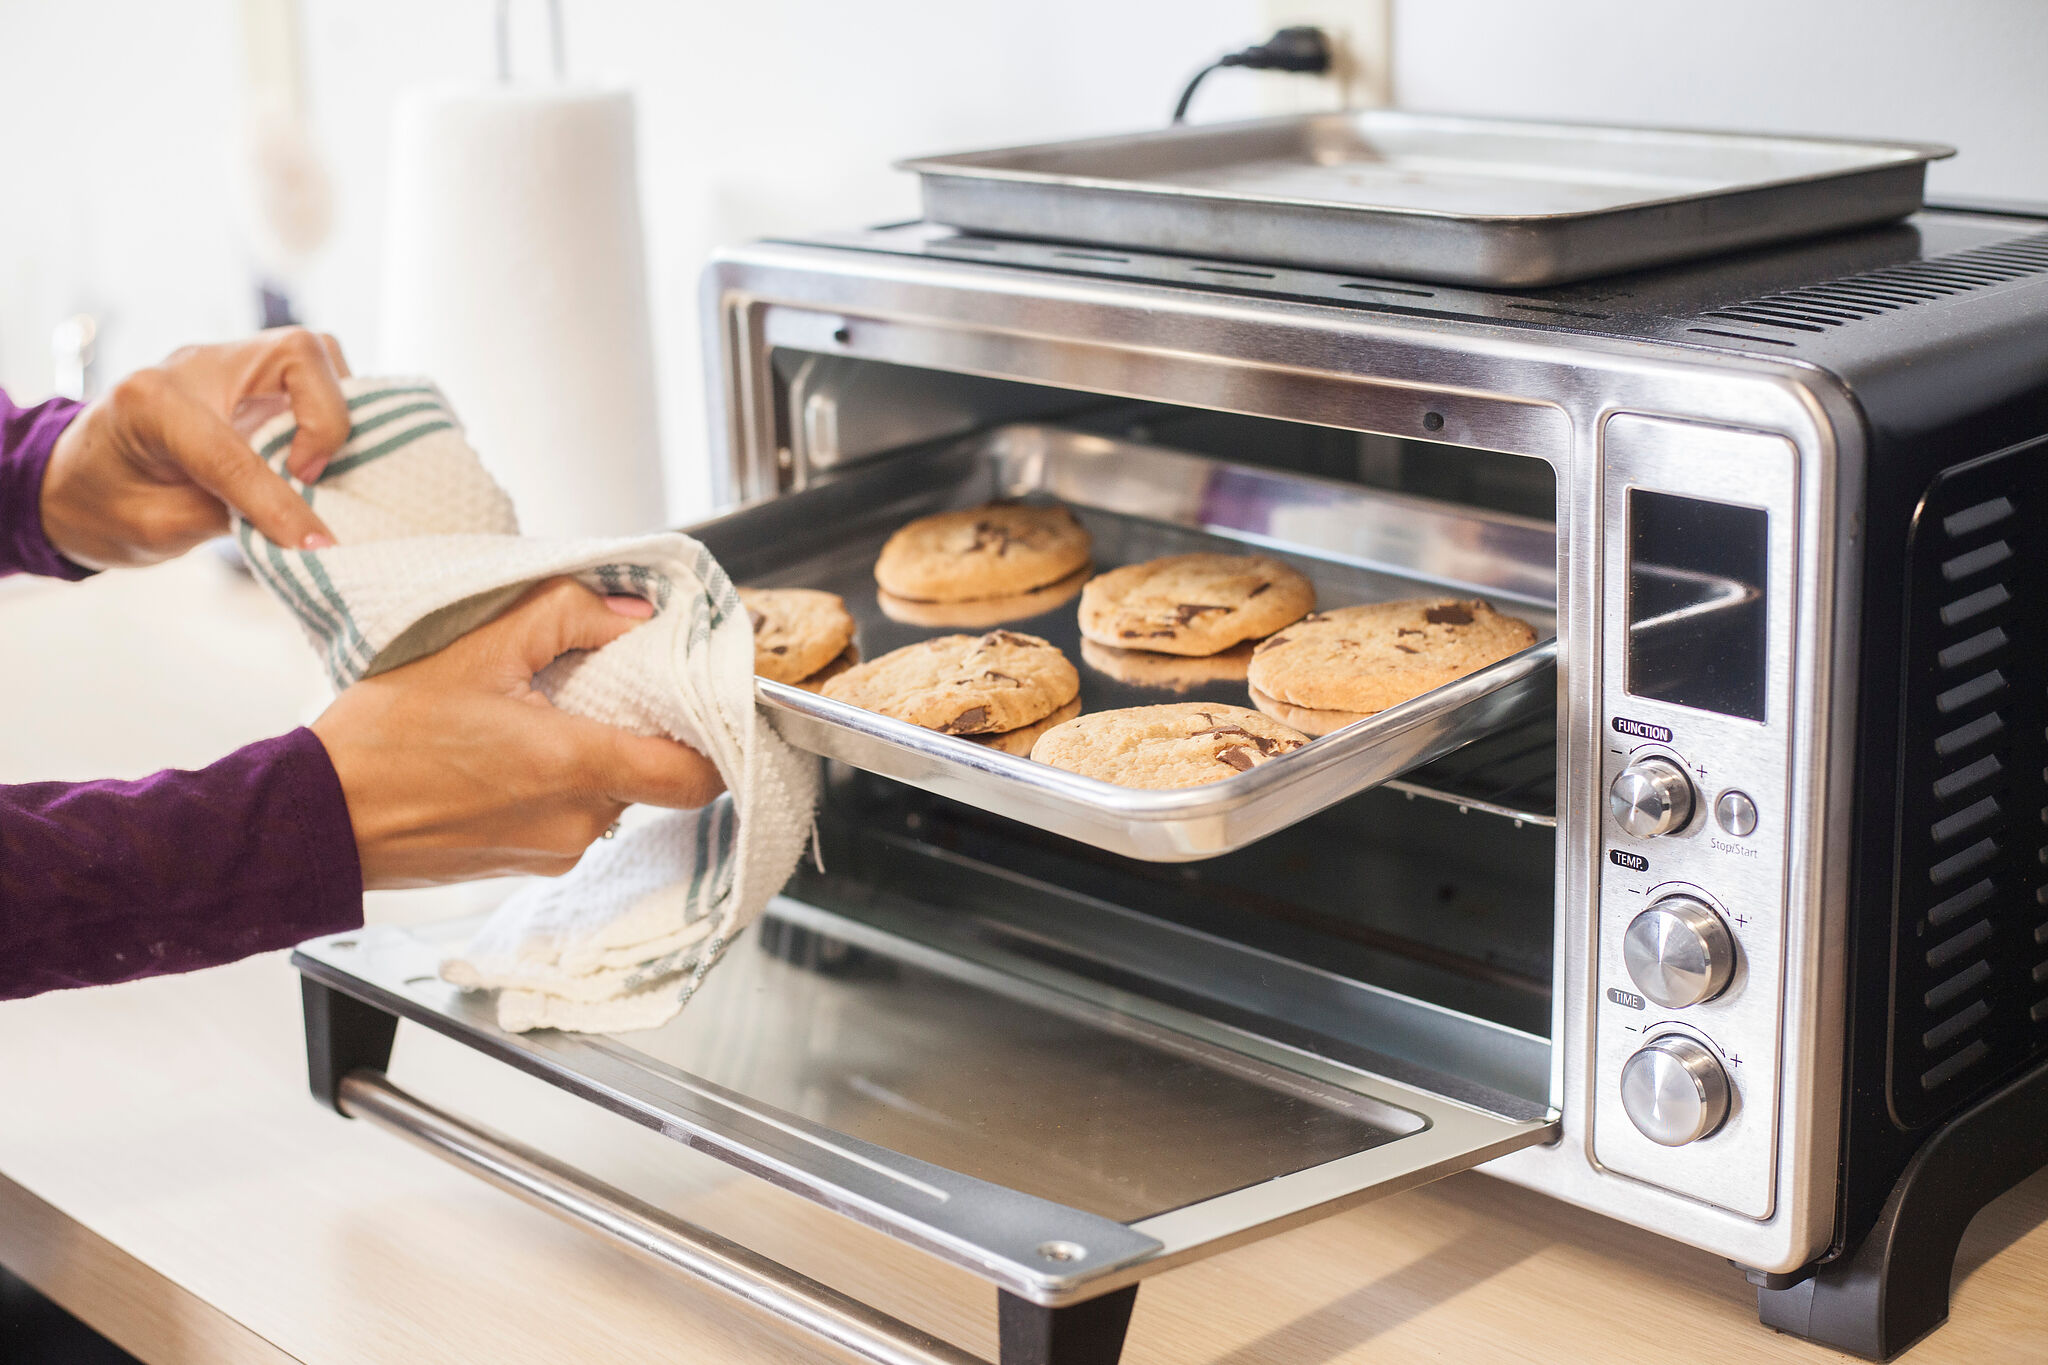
(1948, 916)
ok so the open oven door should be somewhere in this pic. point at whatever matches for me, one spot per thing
(1057, 1139)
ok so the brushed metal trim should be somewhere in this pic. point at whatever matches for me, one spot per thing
(1736, 1168)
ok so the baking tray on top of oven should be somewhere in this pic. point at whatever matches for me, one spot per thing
(1138, 502)
(1497, 203)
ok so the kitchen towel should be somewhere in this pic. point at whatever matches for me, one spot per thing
(428, 549)
(515, 274)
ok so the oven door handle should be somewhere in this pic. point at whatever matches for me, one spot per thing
(768, 1287)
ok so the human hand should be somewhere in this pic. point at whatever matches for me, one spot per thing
(455, 768)
(150, 470)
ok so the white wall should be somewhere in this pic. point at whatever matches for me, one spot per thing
(120, 120)
(120, 124)
(1965, 72)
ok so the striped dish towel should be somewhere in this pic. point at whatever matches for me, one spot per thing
(428, 549)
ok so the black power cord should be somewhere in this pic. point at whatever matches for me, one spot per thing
(1303, 48)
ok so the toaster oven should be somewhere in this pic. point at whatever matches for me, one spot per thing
(1722, 912)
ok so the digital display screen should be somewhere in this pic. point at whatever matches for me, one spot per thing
(1697, 607)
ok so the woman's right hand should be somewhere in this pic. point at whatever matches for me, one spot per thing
(455, 768)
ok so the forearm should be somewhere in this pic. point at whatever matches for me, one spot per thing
(27, 436)
(109, 881)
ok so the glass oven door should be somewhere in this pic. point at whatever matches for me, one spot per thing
(1058, 1137)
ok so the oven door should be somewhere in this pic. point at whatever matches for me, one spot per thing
(1058, 1137)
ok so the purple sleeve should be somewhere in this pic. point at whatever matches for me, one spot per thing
(108, 881)
(26, 438)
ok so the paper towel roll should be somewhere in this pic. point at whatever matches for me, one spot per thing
(515, 276)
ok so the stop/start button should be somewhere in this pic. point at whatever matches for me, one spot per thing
(1735, 813)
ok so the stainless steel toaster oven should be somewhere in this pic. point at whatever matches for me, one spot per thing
(1721, 912)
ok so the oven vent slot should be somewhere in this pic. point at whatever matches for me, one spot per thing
(1970, 994)
(1816, 308)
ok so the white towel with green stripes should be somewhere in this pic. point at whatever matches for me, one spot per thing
(428, 548)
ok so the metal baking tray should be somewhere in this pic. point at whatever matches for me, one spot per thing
(1474, 201)
(1356, 544)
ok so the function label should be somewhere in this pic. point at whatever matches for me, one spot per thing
(1640, 729)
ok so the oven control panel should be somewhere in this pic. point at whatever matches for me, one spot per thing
(1697, 584)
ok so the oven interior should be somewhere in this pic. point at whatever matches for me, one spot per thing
(1407, 930)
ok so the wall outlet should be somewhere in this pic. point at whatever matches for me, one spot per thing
(1362, 34)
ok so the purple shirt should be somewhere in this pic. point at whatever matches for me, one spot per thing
(27, 435)
(108, 881)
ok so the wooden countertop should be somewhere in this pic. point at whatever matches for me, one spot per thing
(164, 1175)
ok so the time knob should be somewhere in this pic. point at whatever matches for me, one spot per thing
(1679, 952)
(1652, 796)
(1674, 1091)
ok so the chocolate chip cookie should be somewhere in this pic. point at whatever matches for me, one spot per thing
(1306, 719)
(1366, 659)
(1020, 740)
(993, 550)
(1180, 744)
(1168, 672)
(982, 612)
(797, 631)
(964, 684)
(1193, 604)
(845, 659)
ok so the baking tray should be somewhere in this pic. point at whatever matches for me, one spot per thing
(1356, 544)
(1473, 201)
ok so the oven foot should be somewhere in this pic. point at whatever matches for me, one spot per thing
(1087, 1333)
(342, 1034)
(1891, 1289)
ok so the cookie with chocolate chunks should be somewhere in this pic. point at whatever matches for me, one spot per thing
(1180, 744)
(964, 684)
(1167, 672)
(995, 550)
(846, 659)
(797, 631)
(1306, 719)
(1195, 604)
(1021, 740)
(982, 613)
(1366, 659)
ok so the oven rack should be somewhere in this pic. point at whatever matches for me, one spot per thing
(1512, 774)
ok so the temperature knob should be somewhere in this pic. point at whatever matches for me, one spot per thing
(1674, 1091)
(1679, 952)
(1652, 796)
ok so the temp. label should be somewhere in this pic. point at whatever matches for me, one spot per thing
(1634, 862)
(1640, 729)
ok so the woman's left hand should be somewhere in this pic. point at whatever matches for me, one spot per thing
(150, 470)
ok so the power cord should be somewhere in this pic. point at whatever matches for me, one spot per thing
(1302, 48)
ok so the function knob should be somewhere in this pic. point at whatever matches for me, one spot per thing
(1679, 952)
(1652, 796)
(1674, 1091)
